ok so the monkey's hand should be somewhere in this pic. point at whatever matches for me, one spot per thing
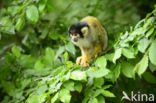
(83, 61)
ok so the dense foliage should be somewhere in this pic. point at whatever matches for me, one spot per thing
(37, 63)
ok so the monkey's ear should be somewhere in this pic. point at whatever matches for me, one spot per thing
(84, 30)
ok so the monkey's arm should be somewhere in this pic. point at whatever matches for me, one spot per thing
(85, 58)
(87, 54)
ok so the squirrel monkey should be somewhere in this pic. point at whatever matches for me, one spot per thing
(90, 36)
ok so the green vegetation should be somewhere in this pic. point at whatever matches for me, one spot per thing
(37, 59)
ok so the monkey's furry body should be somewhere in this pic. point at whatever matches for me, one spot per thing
(90, 36)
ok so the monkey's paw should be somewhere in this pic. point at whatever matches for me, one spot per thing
(84, 62)
(78, 60)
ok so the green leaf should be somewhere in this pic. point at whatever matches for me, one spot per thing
(54, 87)
(16, 51)
(152, 53)
(90, 81)
(143, 44)
(34, 72)
(37, 98)
(117, 54)
(139, 23)
(97, 92)
(49, 56)
(149, 77)
(9, 58)
(78, 87)
(26, 61)
(42, 89)
(94, 100)
(148, 22)
(150, 32)
(8, 87)
(107, 93)
(101, 99)
(32, 14)
(152, 67)
(69, 64)
(78, 75)
(98, 82)
(69, 85)
(148, 15)
(53, 35)
(85, 99)
(97, 73)
(7, 26)
(143, 64)
(59, 52)
(101, 62)
(25, 83)
(106, 86)
(54, 99)
(42, 5)
(43, 97)
(109, 56)
(20, 24)
(116, 72)
(18, 94)
(66, 57)
(154, 11)
(44, 33)
(33, 99)
(89, 91)
(70, 48)
(138, 31)
(128, 53)
(39, 65)
(66, 76)
(65, 96)
(127, 70)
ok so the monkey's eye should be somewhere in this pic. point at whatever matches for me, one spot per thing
(75, 34)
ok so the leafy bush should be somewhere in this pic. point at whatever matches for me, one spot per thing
(38, 60)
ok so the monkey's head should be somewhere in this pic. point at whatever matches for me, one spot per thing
(78, 31)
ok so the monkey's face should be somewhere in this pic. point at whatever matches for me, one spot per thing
(78, 31)
(74, 37)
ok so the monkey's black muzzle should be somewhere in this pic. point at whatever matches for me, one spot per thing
(75, 39)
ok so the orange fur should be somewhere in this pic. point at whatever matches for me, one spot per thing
(98, 50)
(85, 58)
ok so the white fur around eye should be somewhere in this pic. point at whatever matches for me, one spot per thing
(84, 30)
